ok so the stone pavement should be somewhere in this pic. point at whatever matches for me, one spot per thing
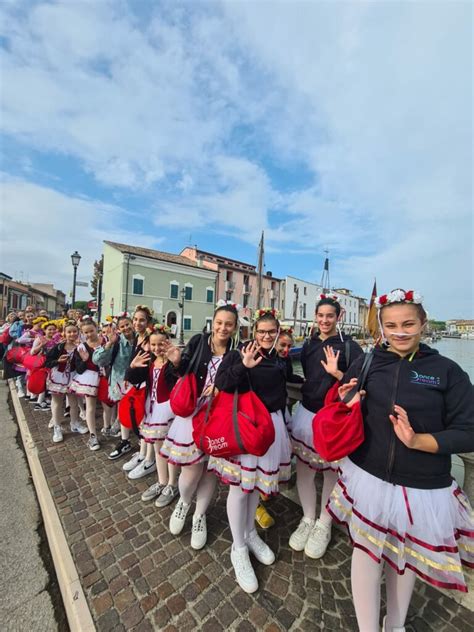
(137, 576)
(25, 578)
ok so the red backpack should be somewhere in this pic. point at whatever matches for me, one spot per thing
(131, 408)
(31, 361)
(36, 382)
(184, 396)
(232, 424)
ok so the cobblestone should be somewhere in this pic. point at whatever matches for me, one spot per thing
(137, 576)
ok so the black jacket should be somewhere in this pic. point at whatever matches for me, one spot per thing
(138, 375)
(201, 362)
(291, 376)
(55, 352)
(318, 382)
(439, 400)
(267, 379)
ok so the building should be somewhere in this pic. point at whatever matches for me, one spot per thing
(16, 296)
(460, 327)
(237, 281)
(135, 275)
(299, 300)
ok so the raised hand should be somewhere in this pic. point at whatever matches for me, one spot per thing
(402, 426)
(82, 351)
(172, 353)
(142, 359)
(63, 358)
(249, 355)
(330, 366)
(345, 388)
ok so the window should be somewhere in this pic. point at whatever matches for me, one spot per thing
(137, 284)
(304, 310)
(228, 296)
(187, 322)
(188, 292)
(304, 290)
(245, 300)
(174, 289)
(209, 295)
(208, 325)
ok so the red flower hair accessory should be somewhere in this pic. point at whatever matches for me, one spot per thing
(266, 310)
(398, 296)
(331, 297)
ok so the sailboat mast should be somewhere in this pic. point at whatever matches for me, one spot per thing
(260, 272)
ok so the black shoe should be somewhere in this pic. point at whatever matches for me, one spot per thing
(120, 449)
(32, 400)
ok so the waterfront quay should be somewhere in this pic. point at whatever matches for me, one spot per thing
(137, 576)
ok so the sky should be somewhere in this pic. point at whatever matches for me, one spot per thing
(344, 126)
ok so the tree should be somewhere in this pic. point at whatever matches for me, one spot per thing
(98, 271)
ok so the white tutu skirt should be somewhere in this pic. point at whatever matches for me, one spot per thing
(156, 424)
(263, 473)
(429, 531)
(302, 441)
(179, 447)
(85, 383)
(58, 382)
(288, 420)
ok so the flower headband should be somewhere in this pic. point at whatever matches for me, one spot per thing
(398, 296)
(222, 303)
(286, 329)
(161, 329)
(331, 297)
(48, 323)
(266, 310)
(39, 319)
(121, 315)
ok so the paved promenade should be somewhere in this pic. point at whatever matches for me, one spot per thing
(137, 576)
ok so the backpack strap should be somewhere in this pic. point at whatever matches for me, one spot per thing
(362, 377)
(347, 352)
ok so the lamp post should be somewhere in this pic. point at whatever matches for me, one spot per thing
(181, 306)
(75, 258)
(129, 257)
(301, 319)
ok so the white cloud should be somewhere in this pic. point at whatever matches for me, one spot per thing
(41, 228)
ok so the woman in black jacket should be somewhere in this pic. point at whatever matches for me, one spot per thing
(325, 358)
(258, 367)
(396, 494)
(204, 352)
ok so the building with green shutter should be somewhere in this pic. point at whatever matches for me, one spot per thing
(142, 276)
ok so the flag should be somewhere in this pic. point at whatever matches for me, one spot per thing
(372, 322)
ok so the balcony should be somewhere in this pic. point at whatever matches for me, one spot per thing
(247, 288)
(229, 286)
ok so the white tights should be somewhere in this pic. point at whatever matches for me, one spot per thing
(241, 508)
(108, 415)
(366, 577)
(90, 413)
(167, 472)
(57, 408)
(307, 491)
(196, 479)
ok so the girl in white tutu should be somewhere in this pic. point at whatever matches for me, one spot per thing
(154, 369)
(256, 366)
(206, 352)
(325, 358)
(61, 360)
(85, 381)
(396, 495)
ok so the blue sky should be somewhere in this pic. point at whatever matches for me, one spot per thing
(345, 126)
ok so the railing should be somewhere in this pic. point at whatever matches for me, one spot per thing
(229, 286)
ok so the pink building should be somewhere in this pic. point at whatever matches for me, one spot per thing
(237, 281)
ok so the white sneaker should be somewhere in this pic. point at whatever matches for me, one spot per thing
(152, 492)
(57, 434)
(244, 573)
(261, 551)
(167, 496)
(392, 629)
(178, 517)
(299, 537)
(51, 423)
(133, 462)
(318, 540)
(77, 426)
(93, 443)
(199, 532)
(142, 469)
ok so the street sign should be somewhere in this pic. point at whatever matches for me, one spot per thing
(92, 304)
(82, 283)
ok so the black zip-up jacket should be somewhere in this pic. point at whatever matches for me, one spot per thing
(268, 379)
(291, 376)
(201, 363)
(138, 375)
(54, 354)
(439, 400)
(318, 381)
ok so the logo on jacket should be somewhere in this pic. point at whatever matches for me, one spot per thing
(216, 444)
(419, 378)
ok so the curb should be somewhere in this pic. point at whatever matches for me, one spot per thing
(77, 609)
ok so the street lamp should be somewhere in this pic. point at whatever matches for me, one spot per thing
(181, 306)
(75, 258)
(301, 319)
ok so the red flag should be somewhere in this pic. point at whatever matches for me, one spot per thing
(372, 322)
